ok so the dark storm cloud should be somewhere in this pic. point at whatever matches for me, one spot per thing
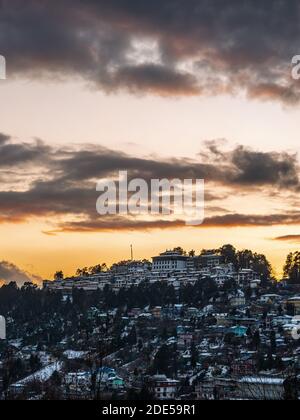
(46, 199)
(65, 183)
(202, 46)
(288, 238)
(261, 168)
(238, 167)
(157, 79)
(87, 164)
(113, 223)
(3, 139)
(12, 154)
(11, 273)
(247, 220)
(250, 167)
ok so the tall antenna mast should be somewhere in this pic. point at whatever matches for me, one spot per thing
(131, 249)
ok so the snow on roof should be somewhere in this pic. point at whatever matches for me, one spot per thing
(261, 380)
(72, 354)
(164, 378)
(42, 375)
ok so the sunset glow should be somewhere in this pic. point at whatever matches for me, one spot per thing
(116, 88)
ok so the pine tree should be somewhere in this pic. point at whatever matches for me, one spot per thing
(256, 339)
(273, 342)
(194, 356)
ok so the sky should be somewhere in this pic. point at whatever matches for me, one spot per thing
(162, 89)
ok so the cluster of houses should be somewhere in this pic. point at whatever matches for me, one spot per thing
(238, 345)
(173, 267)
(226, 365)
(75, 385)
